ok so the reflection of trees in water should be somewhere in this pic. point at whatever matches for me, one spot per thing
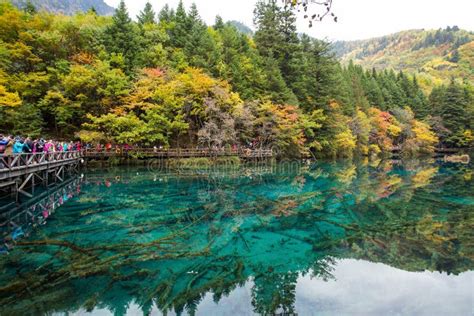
(279, 297)
(267, 226)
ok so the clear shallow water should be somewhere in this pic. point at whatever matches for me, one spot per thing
(331, 239)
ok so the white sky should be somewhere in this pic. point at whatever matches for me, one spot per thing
(358, 19)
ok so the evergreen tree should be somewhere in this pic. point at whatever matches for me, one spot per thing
(455, 57)
(199, 46)
(219, 23)
(276, 85)
(30, 8)
(290, 46)
(180, 32)
(122, 37)
(165, 14)
(355, 76)
(193, 17)
(454, 104)
(373, 92)
(453, 107)
(147, 16)
(276, 36)
(323, 77)
(436, 100)
(268, 37)
(92, 10)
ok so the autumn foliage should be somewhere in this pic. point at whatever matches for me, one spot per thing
(170, 80)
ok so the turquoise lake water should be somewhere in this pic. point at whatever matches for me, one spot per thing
(331, 238)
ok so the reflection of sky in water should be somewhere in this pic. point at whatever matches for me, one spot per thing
(366, 288)
(359, 288)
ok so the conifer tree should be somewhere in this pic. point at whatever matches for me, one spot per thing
(122, 37)
(199, 46)
(147, 16)
(453, 107)
(165, 14)
(219, 23)
(289, 48)
(180, 32)
(276, 85)
(436, 100)
(30, 8)
(268, 37)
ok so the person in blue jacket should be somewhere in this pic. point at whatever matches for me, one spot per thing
(18, 146)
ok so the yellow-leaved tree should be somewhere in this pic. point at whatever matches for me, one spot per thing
(9, 99)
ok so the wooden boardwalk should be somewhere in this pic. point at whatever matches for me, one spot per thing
(178, 153)
(18, 165)
(24, 171)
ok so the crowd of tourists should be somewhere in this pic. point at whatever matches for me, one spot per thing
(10, 145)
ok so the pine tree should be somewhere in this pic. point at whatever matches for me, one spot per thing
(165, 14)
(276, 85)
(219, 23)
(147, 16)
(436, 100)
(92, 10)
(121, 37)
(323, 78)
(199, 46)
(180, 32)
(268, 37)
(30, 8)
(193, 18)
(455, 57)
(290, 45)
(373, 92)
(453, 107)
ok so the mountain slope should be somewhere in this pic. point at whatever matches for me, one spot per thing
(434, 55)
(68, 6)
(242, 27)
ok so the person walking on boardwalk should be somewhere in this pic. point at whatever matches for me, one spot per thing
(49, 146)
(3, 144)
(9, 148)
(8, 151)
(18, 146)
(3, 147)
(28, 146)
(39, 146)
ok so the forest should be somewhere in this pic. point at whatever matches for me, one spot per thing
(169, 79)
(435, 56)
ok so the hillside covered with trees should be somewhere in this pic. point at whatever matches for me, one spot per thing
(169, 79)
(68, 7)
(435, 56)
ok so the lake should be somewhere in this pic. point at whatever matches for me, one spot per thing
(329, 238)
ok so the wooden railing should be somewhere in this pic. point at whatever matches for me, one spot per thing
(23, 161)
(177, 153)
